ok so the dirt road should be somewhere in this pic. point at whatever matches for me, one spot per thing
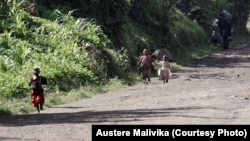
(215, 90)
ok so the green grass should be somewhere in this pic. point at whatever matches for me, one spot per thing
(190, 55)
(239, 39)
(248, 24)
(24, 105)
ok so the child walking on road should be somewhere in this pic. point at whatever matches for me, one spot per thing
(164, 71)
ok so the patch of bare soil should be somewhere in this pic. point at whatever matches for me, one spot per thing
(215, 90)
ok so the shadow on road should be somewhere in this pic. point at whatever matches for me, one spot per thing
(209, 67)
(7, 138)
(97, 116)
(225, 59)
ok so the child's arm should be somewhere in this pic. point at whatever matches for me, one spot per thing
(44, 80)
(30, 80)
(168, 64)
(139, 62)
(157, 63)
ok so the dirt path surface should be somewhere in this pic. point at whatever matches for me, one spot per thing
(215, 90)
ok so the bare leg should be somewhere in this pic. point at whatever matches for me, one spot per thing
(37, 107)
(41, 106)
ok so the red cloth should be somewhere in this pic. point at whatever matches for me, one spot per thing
(36, 98)
(36, 95)
(146, 60)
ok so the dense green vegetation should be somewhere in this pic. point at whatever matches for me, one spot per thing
(77, 43)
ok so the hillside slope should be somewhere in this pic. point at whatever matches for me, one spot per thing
(215, 90)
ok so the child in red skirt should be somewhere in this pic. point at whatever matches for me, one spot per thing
(37, 92)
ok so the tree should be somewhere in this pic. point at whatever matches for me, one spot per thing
(240, 10)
